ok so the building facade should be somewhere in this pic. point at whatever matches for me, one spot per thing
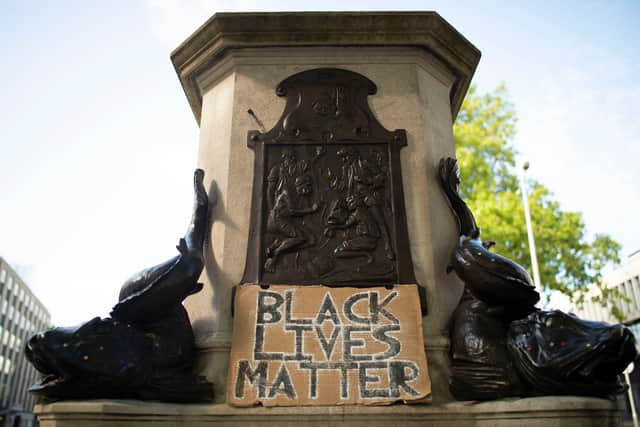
(626, 279)
(21, 315)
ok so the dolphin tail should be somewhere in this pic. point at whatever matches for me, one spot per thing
(153, 291)
(195, 235)
(449, 176)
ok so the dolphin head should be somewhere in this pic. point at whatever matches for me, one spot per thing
(100, 353)
(559, 353)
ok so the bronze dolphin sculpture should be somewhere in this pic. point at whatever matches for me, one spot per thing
(503, 346)
(145, 350)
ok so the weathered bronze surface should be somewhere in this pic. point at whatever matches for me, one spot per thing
(146, 349)
(481, 367)
(328, 204)
(488, 276)
(559, 353)
(502, 345)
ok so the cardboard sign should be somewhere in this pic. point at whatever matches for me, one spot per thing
(315, 345)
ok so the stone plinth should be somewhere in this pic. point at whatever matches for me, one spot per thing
(422, 68)
(551, 411)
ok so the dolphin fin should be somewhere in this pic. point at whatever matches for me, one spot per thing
(196, 288)
(488, 244)
(182, 247)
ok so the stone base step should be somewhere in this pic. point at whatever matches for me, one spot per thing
(548, 411)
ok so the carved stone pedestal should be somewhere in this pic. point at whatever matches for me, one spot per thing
(233, 63)
(550, 411)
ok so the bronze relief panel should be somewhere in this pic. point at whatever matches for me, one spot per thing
(327, 204)
(327, 214)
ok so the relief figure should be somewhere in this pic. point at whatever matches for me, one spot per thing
(367, 178)
(282, 221)
(282, 176)
(366, 230)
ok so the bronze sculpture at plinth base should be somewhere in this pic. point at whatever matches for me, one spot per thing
(502, 345)
(146, 349)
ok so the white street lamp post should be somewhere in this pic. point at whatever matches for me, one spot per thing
(632, 403)
(532, 242)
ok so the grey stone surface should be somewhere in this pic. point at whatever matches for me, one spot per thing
(551, 411)
(225, 31)
(413, 94)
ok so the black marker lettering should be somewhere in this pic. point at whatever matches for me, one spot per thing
(394, 345)
(271, 310)
(259, 375)
(348, 308)
(282, 384)
(377, 309)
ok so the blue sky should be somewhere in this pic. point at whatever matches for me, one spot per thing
(97, 141)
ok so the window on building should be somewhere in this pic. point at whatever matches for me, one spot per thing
(624, 305)
(9, 282)
(594, 311)
(3, 275)
(631, 295)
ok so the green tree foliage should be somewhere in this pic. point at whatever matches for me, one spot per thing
(568, 260)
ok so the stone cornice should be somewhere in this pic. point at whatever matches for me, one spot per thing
(226, 31)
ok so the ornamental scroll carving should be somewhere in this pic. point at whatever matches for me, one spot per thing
(328, 204)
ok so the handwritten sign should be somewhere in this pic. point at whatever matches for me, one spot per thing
(315, 345)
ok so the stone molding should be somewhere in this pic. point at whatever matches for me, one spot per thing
(323, 57)
(226, 31)
(549, 411)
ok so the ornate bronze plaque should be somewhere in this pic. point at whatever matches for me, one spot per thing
(328, 205)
